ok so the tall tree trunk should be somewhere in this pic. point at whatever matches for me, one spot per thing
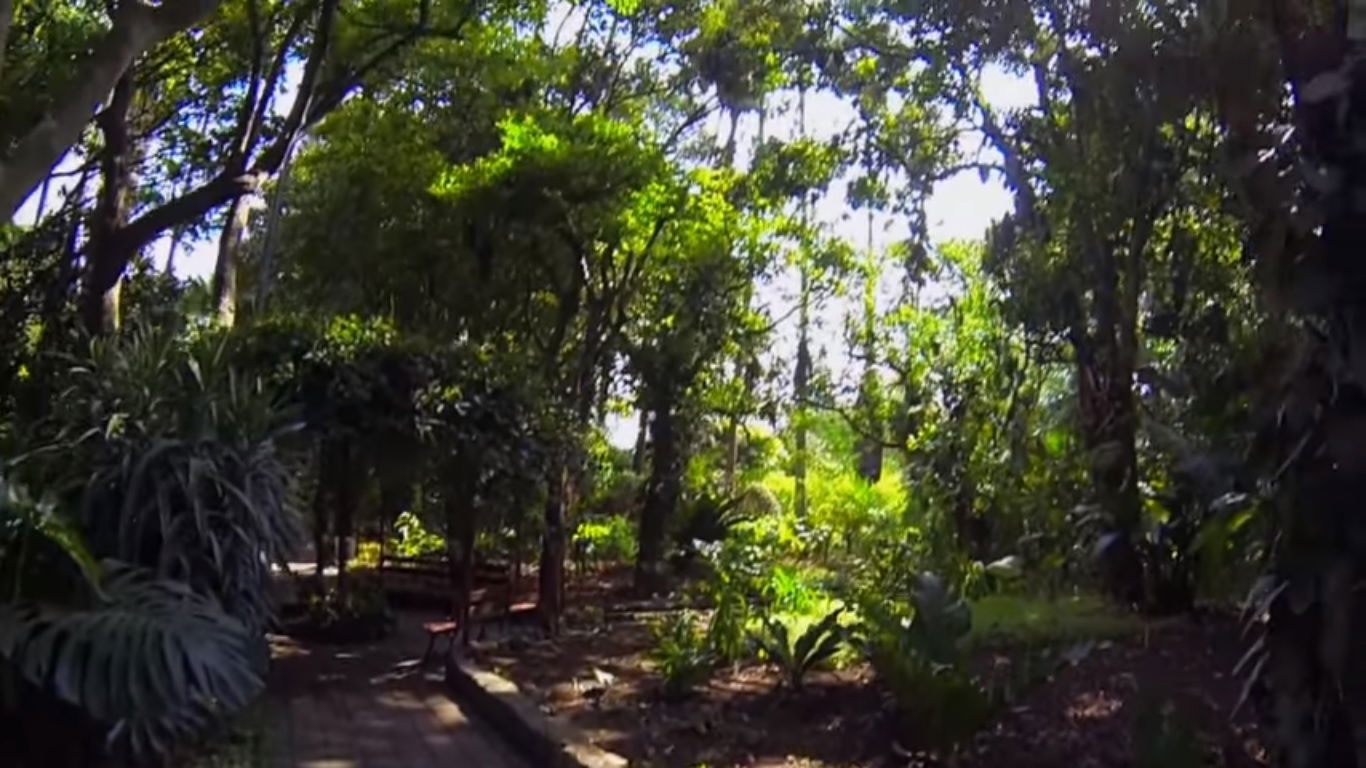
(870, 443)
(801, 385)
(662, 492)
(1109, 430)
(231, 245)
(460, 533)
(1109, 416)
(550, 593)
(320, 513)
(642, 440)
(350, 484)
(104, 271)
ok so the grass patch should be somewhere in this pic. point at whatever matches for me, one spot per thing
(1016, 619)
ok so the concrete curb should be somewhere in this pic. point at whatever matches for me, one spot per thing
(544, 740)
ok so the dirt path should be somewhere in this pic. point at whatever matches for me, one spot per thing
(369, 706)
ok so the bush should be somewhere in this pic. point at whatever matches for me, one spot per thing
(164, 484)
(414, 540)
(916, 651)
(605, 540)
(793, 590)
(681, 654)
(367, 555)
(734, 579)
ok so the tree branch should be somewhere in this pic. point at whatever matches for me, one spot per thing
(277, 68)
(247, 115)
(136, 28)
(270, 160)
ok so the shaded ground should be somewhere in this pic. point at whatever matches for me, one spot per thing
(369, 706)
(1121, 699)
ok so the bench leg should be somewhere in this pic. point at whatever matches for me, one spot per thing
(427, 655)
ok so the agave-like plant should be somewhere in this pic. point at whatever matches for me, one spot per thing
(797, 654)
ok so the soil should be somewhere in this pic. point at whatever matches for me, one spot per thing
(1086, 714)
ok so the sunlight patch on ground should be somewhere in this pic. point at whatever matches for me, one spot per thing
(1094, 706)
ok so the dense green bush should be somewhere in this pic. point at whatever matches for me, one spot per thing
(733, 583)
(601, 541)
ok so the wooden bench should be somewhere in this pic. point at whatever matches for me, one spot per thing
(490, 597)
(435, 629)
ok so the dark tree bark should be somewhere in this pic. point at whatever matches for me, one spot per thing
(642, 441)
(1105, 397)
(662, 492)
(321, 495)
(801, 385)
(461, 524)
(350, 485)
(100, 289)
(550, 597)
(871, 441)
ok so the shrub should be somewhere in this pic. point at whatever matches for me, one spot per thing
(605, 540)
(797, 654)
(734, 578)
(362, 615)
(367, 555)
(167, 491)
(681, 654)
(709, 519)
(793, 590)
(916, 653)
(414, 540)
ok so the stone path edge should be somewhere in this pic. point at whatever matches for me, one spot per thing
(546, 741)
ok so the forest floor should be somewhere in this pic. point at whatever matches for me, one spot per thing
(1164, 694)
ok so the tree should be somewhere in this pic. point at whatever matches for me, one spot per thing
(33, 149)
(1304, 230)
(695, 301)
